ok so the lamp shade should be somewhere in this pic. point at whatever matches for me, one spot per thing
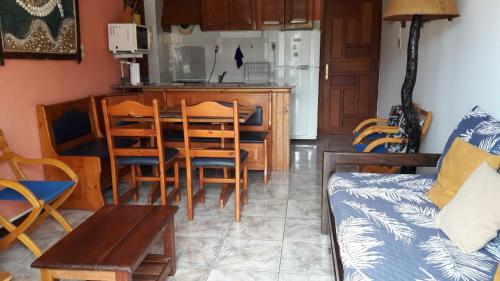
(404, 10)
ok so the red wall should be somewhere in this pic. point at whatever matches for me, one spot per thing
(26, 83)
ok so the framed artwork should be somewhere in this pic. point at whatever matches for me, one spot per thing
(39, 29)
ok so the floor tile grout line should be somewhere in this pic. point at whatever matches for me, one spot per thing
(284, 229)
(220, 249)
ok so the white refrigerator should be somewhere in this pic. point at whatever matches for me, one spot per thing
(298, 65)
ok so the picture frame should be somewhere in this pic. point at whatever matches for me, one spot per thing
(28, 33)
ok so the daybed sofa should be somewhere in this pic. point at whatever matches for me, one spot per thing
(382, 226)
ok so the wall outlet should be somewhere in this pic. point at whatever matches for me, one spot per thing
(216, 48)
(273, 46)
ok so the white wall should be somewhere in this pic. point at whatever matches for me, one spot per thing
(254, 50)
(459, 67)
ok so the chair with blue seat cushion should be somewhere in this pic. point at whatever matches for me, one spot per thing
(361, 147)
(71, 132)
(368, 129)
(145, 125)
(34, 199)
(393, 141)
(97, 147)
(394, 136)
(226, 156)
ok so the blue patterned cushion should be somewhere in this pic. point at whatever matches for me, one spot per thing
(386, 231)
(487, 136)
(465, 129)
(395, 115)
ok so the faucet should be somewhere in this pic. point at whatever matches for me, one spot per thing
(221, 77)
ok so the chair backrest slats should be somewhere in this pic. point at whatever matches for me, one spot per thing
(135, 152)
(213, 153)
(210, 134)
(211, 109)
(117, 132)
(132, 119)
(426, 116)
(130, 108)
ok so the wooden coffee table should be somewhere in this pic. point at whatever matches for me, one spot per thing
(112, 244)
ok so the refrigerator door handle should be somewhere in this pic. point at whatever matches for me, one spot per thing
(327, 71)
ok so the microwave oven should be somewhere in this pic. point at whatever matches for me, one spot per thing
(129, 38)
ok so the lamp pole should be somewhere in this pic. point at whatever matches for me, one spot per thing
(412, 124)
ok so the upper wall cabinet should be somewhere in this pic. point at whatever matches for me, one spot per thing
(177, 12)
(228, 15)
(256, 14)
(215, 14)
(299, 14)
(270, 14)
(241, 14)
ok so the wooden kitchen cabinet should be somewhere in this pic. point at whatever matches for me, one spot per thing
(228, 15)
(215, 15)
(241, 15)
(299, 14)
(257, 14)
(270, 14)
(177, 12)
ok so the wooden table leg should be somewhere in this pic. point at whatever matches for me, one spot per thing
(47, 275)
(123, 276)
(169, 245)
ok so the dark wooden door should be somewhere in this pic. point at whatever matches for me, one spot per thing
(242, 14)
(215, 14)
(350, 64)
(270, 14)
(299, 14)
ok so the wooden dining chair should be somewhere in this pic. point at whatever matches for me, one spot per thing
(141, 122)
(227, 156)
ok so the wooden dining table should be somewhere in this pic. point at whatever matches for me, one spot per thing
(174, 115)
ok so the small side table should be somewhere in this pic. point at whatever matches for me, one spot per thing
(111, 246)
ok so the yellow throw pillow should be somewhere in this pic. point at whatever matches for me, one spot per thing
(458, 164)
(497, 275)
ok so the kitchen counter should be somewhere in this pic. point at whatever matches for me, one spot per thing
(205, 86)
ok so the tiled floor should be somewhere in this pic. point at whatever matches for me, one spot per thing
(278, 237)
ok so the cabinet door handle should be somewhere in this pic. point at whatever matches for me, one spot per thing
(327, 72)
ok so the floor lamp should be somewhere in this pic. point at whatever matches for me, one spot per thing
(416, 11)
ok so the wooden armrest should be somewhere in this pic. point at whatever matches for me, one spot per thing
(368, 122)
(50, 162)
(376, 129)
(382, 141)
(24, 191)
(383, 159)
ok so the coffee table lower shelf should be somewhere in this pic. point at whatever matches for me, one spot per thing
(153, 268)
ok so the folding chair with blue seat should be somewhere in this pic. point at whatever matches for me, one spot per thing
(377, 128)
(36, 199)
(392, 139)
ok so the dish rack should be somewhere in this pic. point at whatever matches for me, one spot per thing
(257, 72)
